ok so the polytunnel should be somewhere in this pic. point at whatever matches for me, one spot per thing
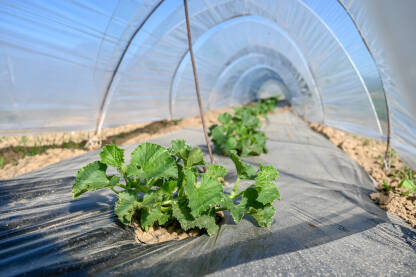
(88, 65)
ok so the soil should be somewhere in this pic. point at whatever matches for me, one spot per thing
(170, 231)
(369, 153)
(61, 146)
(159, 234)
(30, 163)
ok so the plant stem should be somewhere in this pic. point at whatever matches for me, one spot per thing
(232, 196)
(112, 188)
(167, 202)
(164, 209)
(235, 188)
(122, 186)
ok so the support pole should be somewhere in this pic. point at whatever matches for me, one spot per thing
(191, 52)
(387, 154)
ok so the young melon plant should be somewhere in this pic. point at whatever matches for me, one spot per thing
(164, 184)
(261, 108)
(241, 132)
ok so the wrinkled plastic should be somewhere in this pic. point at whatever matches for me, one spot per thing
(336, 61)
(57, 60)
(325, 223)
(389, 29)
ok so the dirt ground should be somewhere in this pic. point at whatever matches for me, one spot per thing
(369, 153)
(124, 135)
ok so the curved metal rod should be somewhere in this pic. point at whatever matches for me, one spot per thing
(349, 59)
(311, 77)
(100, 119)
(386, 154)
(249, 71)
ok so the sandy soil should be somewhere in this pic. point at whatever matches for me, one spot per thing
(170, 231)
(159, 234)
(369, 154)
(31, 163)
(124, 135)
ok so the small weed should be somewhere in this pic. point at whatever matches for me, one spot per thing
(34, 150)
(24, 140)
(366, 142)
(386, 186)
(1, 161)
(393, 154)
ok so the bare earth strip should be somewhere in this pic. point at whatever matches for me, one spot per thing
(124, 135)
(369, 153)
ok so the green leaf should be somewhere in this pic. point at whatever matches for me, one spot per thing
(132, 170)
(152, 161)
(152, 198)
(169, 186)
(230, 145)
(236, 211)
(114, 180)
(216, 171)
(386, 186)
(112, 155)
(218, 135)
(89, 178)
(206, 221)
(266, 174)
(190, 156)
(267, 190)
(179, 148)
(244, 171)
(225, 118)
(268, 193)
(126, 206)
(190, 182)
(263, 216)
(248, 200)
(227, 202)
(149, 216)
(204, 197)
(410, 186)
(195, 157)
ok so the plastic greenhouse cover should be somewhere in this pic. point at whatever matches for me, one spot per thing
(325, 223)
(57, 61)
(389, 29)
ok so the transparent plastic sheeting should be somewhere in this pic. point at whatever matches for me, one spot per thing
(57, 59)
(389, 27)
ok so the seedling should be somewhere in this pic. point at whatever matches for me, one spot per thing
(408, 181)
(407, 185)
(164, 184)
(241, 132)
